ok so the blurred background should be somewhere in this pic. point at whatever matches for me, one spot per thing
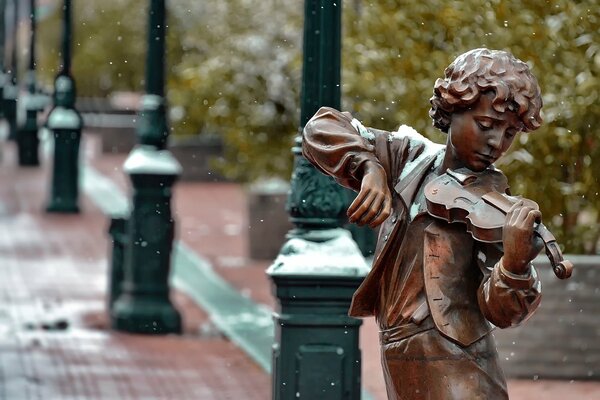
(235, 66)
(234, 69)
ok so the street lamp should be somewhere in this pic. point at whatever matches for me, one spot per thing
(27, 133)
(2, 48)
(143, 305)
(65, 123)
(316, 354)
(11, 90)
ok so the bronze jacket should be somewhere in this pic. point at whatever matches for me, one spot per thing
(468, 291)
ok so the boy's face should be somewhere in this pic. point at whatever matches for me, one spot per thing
(480, 135)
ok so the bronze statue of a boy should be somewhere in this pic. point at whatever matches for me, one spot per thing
(435, 291)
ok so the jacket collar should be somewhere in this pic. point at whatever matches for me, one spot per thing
(408, 186)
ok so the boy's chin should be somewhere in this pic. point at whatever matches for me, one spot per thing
(479, 167)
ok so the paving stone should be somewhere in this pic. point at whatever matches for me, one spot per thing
(55, 343)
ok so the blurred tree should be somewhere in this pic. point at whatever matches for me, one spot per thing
(236, 68)
(394, 50)
(109, 46)
(240, 76)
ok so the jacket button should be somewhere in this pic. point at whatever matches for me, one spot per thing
(394, 219)
(385, 238)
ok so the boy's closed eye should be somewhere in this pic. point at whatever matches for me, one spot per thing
(511, 133)
(484, 124)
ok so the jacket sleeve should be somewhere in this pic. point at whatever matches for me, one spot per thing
(505, 299)
(339, 145)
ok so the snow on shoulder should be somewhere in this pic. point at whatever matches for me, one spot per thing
(364, 132)
(428, 148)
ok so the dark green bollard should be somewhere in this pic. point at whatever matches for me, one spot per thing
(65, 123)
(9, 107)
(3, 82)
(144, 305)
(316, 353)
(28, 141)
(9, 111)
(65, 192)
(118, 234)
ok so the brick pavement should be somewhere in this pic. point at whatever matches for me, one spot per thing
(56, 269)
(55, 344)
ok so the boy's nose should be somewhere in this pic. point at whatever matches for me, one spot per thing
(494, 139)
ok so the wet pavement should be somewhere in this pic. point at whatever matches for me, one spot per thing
(55, 341)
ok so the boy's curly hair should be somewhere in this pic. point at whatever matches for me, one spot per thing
(482, 70)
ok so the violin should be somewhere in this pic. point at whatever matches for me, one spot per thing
(480, 201)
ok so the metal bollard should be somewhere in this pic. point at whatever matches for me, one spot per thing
(118, 234)
(27, 136)
(9, 108)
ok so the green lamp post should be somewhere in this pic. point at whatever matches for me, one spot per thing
(11, 90)
(143, 304)
(316, 353)
(27, 133)
(2, 47)
(65, 123)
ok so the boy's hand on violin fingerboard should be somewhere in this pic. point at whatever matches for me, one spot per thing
(520, 244)
(373, 204)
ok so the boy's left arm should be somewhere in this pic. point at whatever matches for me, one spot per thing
(505, 299)
(511, 290)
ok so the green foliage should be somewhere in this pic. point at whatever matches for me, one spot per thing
(240, 76)
(109, 46)
(395, 50)
(236, 65)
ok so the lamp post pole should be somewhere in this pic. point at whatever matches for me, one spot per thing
(3, 6)
(316, 353)
(65, 123)
(143, 304)
(27, 134)
(11, 90)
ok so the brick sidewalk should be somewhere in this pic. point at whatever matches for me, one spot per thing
(56, 345)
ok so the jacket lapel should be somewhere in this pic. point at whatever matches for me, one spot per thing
(407, 187)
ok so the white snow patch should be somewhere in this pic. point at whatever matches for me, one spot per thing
(364, 132)
(416, 139)
(145, 159)
(337, 257)
(481, 256)
(414, 210)
(407, 131)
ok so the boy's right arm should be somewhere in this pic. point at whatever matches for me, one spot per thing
(362, 161)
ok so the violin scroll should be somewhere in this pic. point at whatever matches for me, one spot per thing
(563, 270)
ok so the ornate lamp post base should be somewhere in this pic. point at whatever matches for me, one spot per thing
(65, 172)
(316, 353)
(145, 315)
(144, 305)
(118, 234)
